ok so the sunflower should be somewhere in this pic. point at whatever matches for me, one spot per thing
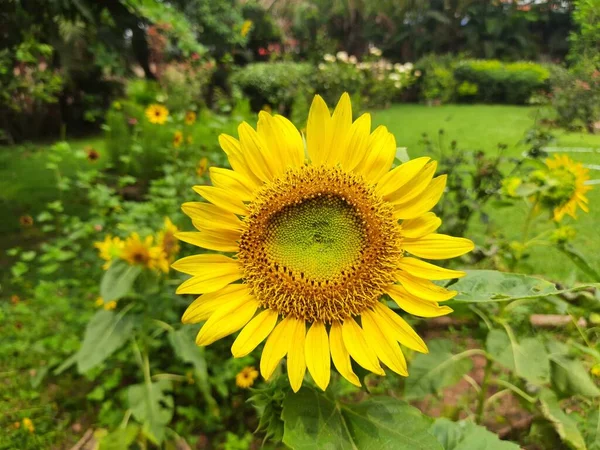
(177, 139)
(317, 244)
(109, 249)
(157, 114)
(144, 253)
(246, 26)
(246, 377)
(201, 166)
(167, 240)
(190, 118)
(565, 181)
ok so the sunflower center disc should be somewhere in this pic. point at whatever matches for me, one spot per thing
(318, 238)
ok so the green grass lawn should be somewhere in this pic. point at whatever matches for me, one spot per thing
(483, 127)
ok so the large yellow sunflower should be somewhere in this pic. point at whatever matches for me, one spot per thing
(157, 114)
(317, 241)
(566, 179)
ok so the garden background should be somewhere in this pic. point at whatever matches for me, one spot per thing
(111, 111)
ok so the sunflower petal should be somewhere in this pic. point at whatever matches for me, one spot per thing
(256, 153)
(233, 182)
(222, 199)
(277, 346)
(388, 351)
(201, 264)
(421, 226)
(293, 139)
(416, 306)
(339, 354)
(414, 187)
(318, 131)
(341, 121)
(227, 320)
(355, 342)
(212, 281)
(212, 240)
(231, 147)
(296, 361)
(438, 246)
(254, 333)
(422, 269)
(423, 289)
(317, 354)
(401, 175)
(202, 308)
(210, 217)
(355, 144)
(396, 326)
(423, 203)
(379, 157)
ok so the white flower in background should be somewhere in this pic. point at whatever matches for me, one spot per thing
(342, 56)
(417, 73)
(398, 67)
(397, 85)
(328, 57)
(363, 66)
(352, 59)
(394, 77)
(389, 66)
(408, 66)
(374, 51)
(322, 66)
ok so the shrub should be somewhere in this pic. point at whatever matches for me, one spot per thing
(274, 84)
(497, 82)
(437, 80)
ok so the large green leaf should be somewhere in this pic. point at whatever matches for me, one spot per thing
(120, 439)
(105, 333)
(571, 377)
(465, 435)
(118, 280)
(480, 286)
(432, 372)
(312, 421)
(564, 425)
(152, 407)
(528, 359)
(592, 430)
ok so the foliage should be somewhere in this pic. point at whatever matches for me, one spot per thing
(585, 41)
(437, 82)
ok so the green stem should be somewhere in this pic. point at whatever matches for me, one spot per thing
(483, 392)
(580, 262)
(528, 221)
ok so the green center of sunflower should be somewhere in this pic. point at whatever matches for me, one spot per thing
(319, 238)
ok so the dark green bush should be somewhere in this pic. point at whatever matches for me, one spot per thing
(274, 84)
(499, 82)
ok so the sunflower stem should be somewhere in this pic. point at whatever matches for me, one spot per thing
(483, 392)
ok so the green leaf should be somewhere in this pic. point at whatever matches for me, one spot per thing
(120, 439)
(492, 286)
(118, 280)
(592, 430)
(564, 425)
(571, 377)
(432, 372)
(152, 407)
(312, 421)
(528, 359)
(465, 435)
(104, 334)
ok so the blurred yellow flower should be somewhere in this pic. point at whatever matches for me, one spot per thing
(109, 306)
(566, 186)
(110, 248)
(99, 302)
(564, 234)
(27, 423)
(26, 221)
(510, 186)
(246, 377)
(595, 370)
(246, 27)
(202, 166)
(189, 140)
(167, 240)
(177, 139)
(157, 114)
(144, 253)
(190, 117)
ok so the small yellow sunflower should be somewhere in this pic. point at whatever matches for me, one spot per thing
(157, 114)
(246, 27)
(202, 166)
(167, 240)
(109, 249)
(246, 377)
(109, 306)
(319, 237)
(28, 424)
(144, 253)
(190, 118)
(99, 302)
(177, 139)
(566, 180)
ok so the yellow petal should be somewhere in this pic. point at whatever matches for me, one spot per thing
(294, 142)
(401, 175)
(357, 346)
(202, 308)
(256, 153)
(422, 269)
(212, 240)
(227, 320)
(420, 226)
(339, 354)
(396, 326)
(424, 202)
(296, 361)
(233, 182)
(202, 264)
(317, 354)
(423, 289)
(416, 306)
(414, 187)
(209, 216)
(318, 131)
(277, 346)
(254, 333)
(231, 146)
(437, 246)
(273, 142)
(388, 351)
(341, 121)
(381, 150)
(355, 144)
(222, 199)
(212, 281)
